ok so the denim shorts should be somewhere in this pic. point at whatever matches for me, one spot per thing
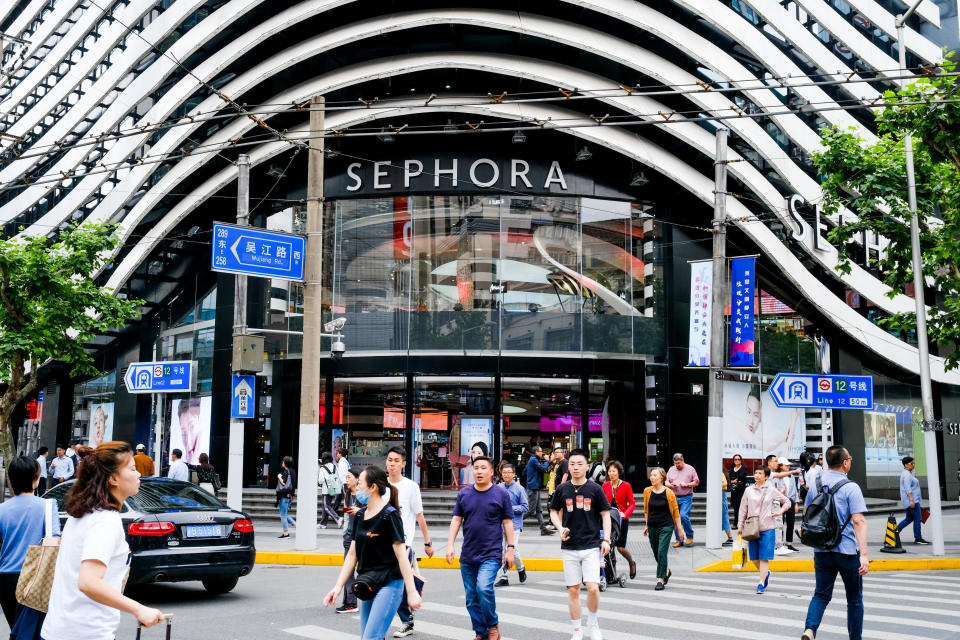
(762, 548)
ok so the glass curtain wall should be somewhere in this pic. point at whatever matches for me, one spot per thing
(491, 275)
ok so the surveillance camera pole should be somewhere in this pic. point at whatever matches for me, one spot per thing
(310, 375)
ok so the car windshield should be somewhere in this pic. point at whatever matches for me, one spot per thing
(159, 497)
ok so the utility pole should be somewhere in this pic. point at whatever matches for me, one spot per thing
(235, 447)
(717, 344)
(310, 375)
(926, 391)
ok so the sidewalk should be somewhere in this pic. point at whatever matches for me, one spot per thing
(542, 553)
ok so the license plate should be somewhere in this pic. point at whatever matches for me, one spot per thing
(202, 531)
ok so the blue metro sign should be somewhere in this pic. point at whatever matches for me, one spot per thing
(257, 252)
(821, 391)
(172, 376)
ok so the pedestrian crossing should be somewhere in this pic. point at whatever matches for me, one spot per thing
(696, 605)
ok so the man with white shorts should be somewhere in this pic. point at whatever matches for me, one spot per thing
(580, 512)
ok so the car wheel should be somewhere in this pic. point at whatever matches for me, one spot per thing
(221, 585)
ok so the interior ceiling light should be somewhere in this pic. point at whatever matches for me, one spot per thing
(275, 172)
(386, 136)
(584, 154)
(519, 137)
(330, 152)
(449, 127)
(639, 179)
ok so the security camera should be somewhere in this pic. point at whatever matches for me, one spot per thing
(337, 349)
(335, 325)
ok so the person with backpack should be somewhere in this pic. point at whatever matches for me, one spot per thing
(329, 481)
(757, 523)
(835, 525)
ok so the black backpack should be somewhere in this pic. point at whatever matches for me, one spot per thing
(821, 525)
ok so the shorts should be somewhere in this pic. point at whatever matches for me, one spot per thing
(762, 548)
(580, 565)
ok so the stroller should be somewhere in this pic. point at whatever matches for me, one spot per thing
(608, 568)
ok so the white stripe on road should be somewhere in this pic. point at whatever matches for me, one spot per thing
(738, 615)
(516, 620)
(771, 603)
(314, 632)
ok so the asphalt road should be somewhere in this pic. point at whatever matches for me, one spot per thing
(283, 603)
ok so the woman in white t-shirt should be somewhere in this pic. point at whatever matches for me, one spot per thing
(86, 599)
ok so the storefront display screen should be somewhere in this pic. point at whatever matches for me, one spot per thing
(755, 427)
(190, 427)
(568, 422)
(101, 423)
(476, 435)
(888, 437)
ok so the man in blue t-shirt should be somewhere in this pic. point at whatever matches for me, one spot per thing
(486, 513)
(849, 558)
(21, 525)
(911, 499)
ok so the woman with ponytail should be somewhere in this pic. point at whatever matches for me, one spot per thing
(86, 599)
(379, 545)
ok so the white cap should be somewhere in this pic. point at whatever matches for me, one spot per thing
(782, 460)
(141, 446)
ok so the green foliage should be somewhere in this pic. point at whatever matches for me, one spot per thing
(50, 305)
(868, 178)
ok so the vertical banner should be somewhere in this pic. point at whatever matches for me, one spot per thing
(701, 292)
(742, 300)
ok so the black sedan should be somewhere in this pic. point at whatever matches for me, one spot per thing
(179, 532)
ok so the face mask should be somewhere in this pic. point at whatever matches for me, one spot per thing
(362, 498)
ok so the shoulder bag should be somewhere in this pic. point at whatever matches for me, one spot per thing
(36, 577)
(751, 525)
(368, 583)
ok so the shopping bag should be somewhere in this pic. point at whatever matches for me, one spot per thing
(924, 514)
(739, 553)
(36, 576)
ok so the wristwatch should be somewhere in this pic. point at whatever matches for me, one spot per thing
(510, 546)
(428, 544)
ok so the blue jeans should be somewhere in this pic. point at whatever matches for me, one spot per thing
(481, 603)
(724, 513)
(915, 516)
(685, 503)
(827, 564)
(284, 518)
(376, 614)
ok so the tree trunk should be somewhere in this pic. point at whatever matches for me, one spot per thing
(6, 445)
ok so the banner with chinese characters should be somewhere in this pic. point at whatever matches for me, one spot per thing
(742, 295)
(701, 292)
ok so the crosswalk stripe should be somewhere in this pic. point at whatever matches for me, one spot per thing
(513, 620)
(945, 581)
(765, 603)
(870, 593)
(314, 632)
(871, 588)
(738, 615)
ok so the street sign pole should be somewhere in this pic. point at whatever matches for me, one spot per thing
(717, 346)
(306, 538)
(926, 391)
(235, 447)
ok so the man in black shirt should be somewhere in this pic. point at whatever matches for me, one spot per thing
(580, 511)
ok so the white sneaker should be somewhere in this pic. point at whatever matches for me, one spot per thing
(595, 633)
(782, 551)
(577, 635)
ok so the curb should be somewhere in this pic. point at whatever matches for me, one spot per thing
(336, 560)
(894, 564)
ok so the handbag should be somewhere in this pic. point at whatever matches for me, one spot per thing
(216, 482)
(924, 514)
(751, 528)
(36, 577)
(367, 584)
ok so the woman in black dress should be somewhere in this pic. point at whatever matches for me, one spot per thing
(737, 482)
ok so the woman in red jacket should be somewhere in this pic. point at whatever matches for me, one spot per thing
(620, 494)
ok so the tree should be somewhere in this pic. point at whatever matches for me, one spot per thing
(50, 307)
(870, 180)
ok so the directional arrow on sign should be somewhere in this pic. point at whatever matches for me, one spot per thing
(243, 389)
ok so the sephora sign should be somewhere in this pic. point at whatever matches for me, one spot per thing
(460, 173)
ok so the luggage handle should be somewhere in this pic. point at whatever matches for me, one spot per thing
(167, 616)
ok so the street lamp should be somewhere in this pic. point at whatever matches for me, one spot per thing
(926, 395)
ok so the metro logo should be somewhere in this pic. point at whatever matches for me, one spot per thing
(824, 384)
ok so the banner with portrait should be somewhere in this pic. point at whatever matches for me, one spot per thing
(101, 423)
(476, 436)
(888, 437)
(755, 427)
(190, 427)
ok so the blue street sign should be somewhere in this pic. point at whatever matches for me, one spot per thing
(821, 391)
(257, 252)
(174, 376)
(243, 396)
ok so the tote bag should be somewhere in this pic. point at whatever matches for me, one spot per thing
(36, 577)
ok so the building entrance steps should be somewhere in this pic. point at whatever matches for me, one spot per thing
(260, 504)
